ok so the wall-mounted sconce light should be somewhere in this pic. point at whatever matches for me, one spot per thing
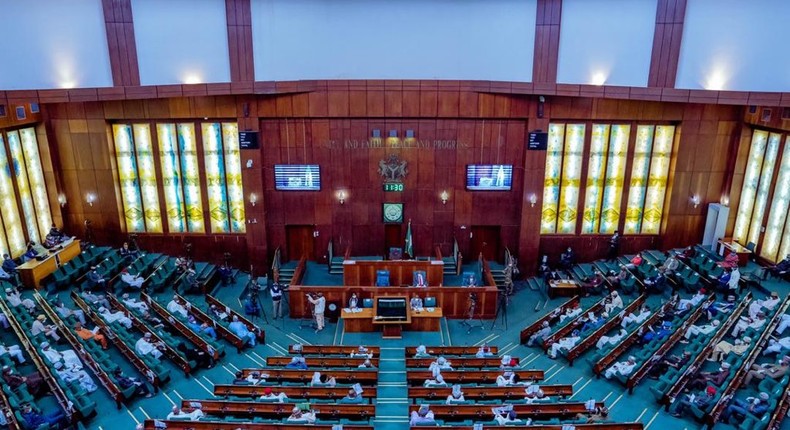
(444, 196)
(62, 199)
(725, 200)
(253, 199)
(409, 134)
(695, 200)
(393, 133)
(532, 200)
(341, 197)
(249, 163)
(376, 133)
(90, 198)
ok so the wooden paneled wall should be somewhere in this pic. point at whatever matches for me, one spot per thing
(547, 41)
(670, 16)
(329, 124)
(121, 44)
(237, 14)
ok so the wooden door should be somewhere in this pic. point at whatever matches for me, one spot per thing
(485, 239)
(300, 242)
(392, 238)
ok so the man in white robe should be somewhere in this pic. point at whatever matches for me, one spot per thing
(541, 334)
(639, 318)
(611, 340)
(695, 330)
(70, 374)
(756, 323)
(769, 303)
(776, 346)
(67, 356)
(39, 327)
(570, 313)
(134, 281)
(615, 303)
(133, 303)
(240, 329)
(14, 298)
(696, 299)
(13, 351)
(179, 414)
(111, 317)
(145, 346)
(65, 312)
(175, 307)
(565, 343)
(623, 368)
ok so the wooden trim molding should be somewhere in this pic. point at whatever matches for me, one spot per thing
(238, 15)
(670, 17)
(547, 41)
(120, 42)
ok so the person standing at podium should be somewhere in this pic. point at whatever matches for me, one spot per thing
(320, 304)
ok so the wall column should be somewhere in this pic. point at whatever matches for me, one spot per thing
(547, 42)
(120, 42)
(670, 16)
(238, 15)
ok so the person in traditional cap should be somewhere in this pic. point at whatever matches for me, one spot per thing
(594, 322)
(297, 362)
(533, 393)
(38, 327)
(367, 364)
(256, 378)
(672, 361)
(756, 406)
(716, 378)
(747, 322)
(34, 382)
(134, 281)
(507, 378)
(566, 343)
(695, 300)
(95, 299)
(14, 298)
(777, 345)
(701, 400)
(416, 303)
(438, 379)
(661, 331)
(484, 351)
(178, 413)
(442, 364)
(145, 346)
(13, 351)
(506, 362)
(615, 302)
(67, 356)
(541, 335)
(422, 352)
(571, 312)
(70, 373)
(65, 311)
(456, 395)
(322, 380)
(198, 327)
(297, 416)
(768, 370)
(768, 304)
(240, 329)
(639, 318)
(695, 330)
(268, 395)
(117, 316)
(9, 265)
(34, 419)
(622, 368)
(96, 279)
(724, 348)
(361, 352)
(176, 308)
(421, 416)
(503, 416)
(613, 339)
(218, 313)
(133, 303)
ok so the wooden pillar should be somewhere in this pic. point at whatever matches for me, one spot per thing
(120, 42)
(670, 16)
(238, 15)
(547, 41)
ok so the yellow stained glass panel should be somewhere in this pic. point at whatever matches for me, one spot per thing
(551, 183)
(230, 137)
(149, 189)
(13, 237)
(761, 198)
(571, 178)
(779, 208)
(750, 181)
(638, 183)
(615, 177)
(23, 186)
(596, 171)
(191, 178)
(35, 174)
(127, 176)
(215, 177)
(657, 181)
(171, 177)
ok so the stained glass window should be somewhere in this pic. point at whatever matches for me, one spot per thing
(23, 186)
(779, 208)
(12, 236)
(35, 174)
(596, 171)
(615, 176)
(761, 198)
(191, 178)
(171, 177)
(638, 183)
(750, 182)
(223, 177)
(137, 176)
(147, 173)
(657, 180)
(230, 138)
(551, 183)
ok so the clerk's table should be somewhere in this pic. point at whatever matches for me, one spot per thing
(33, 271)
(362, 321)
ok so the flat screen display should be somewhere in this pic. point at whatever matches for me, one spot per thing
(297, 177)
(489, 177)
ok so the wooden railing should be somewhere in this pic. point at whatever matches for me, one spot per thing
(539, 411)
(551, 317)
(567, 329)
(221, 330)
(323, 361)
(487, 276)
(179, 326)
(327, 411)
(364, 377)
(458, 362)
(301, 267)
(437, 250)
(613, 321)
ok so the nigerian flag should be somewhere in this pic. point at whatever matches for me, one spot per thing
(409, 245)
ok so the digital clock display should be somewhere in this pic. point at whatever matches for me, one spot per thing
(393, 187)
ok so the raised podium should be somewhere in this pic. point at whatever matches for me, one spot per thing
(391, 313)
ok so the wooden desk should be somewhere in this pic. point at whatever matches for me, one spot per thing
(290, 391)
(323, 361)
(563, 288)
(364, 377)
(452, 300)
(551, 318)
(486, 393)
(418, 377)
(478, 412)
(356, 322)
(333, 350)
(326, 411)
(33, 271)
(363, 272)
(458, 362)
(449, 350)
(231, 425)
(736, 248)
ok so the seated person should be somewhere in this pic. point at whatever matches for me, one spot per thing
(533, 394)
(179, 414)
(14, 298)
(367, 364)
(594, 322)
(656, 332)
(353, 302)
(125, 382)
(94, 334)
(198, 327)
(226, 274)
(297, 415)
(419, 280)
(75, 374)
(703, 379)
(593, 284)
(183, 264)
(9, 265)
(322, 380)
(779, 270)
(54, 237)
(130, 280)
(635, 262)
(644, 313)
(133, 303)
(613, 302)
(503, 416)
(695, 300)
(724, 307)
(730, 261)
(769, 304)
(724, 348)
(456, 396)
(507, 362)
(270, 396)
(470, 281)
(611, 340)
(251, 306)
(655, 284)
(201, 358)
(622, 368)
(65, 311)
(701, 400)
(38, 327)
(438, 380)
(756, 406)
(13, 351)
(746, 322)
(219, 314)
(422, 352)
(768, 370)
(484, 351)
(96, 279)
(176, 308)
(777, 345)
(33, 381)
(34, 419)
(695, 330)
(670, 266)
(541, 335)
(672, 361)
(111, 317)
(297, 362)
(146, 346)
(442, 364)
(66, 356)
(361, 352)
(95, 299)
(241, 331)
(421, 416)
(566, 343)
(570, 313)
(415, 302)
(191, 282)
(127, 253)
(8, 277)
